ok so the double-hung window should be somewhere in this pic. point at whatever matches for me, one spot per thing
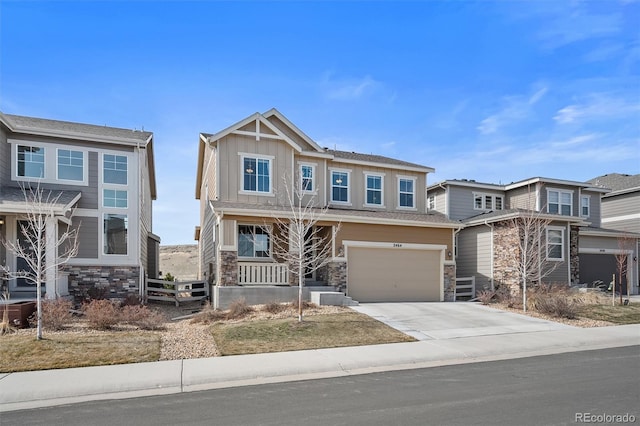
(253, 241)
(555, 243)
(559, 202)
(374, 190)
(31, 161)
(431, 202)
(256, 174)
(585, 201)
(70, 165)
(340, 186)
(406, 192)
(487, 201)
(306, 177)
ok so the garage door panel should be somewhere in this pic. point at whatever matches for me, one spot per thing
(393, 275)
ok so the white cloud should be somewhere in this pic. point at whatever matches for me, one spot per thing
(597, 106)
(349, 89)
(517, 108)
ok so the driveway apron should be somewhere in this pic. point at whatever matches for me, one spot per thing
(438, 321)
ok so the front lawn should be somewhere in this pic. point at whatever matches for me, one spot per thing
(629, 314)
(316, 332)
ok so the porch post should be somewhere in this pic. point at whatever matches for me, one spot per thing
(50, 256)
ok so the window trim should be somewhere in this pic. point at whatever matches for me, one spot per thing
(367, 189)
(560, 203)
(115, 198)
(44, 161)
(483, 201)
(270, 159)
(588, 206)
(104, 154)
(431, 202)
(348, 186)
(84, 167)
(269, 233)
(414, 181)
(313, 189)
(561, 244)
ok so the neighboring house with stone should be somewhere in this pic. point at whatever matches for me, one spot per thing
(388, 248)
(621, 207)
(487, 246)
(105, 183)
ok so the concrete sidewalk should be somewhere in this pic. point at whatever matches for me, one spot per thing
(55, 387)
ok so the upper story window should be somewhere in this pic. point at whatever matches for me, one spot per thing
(431, 202)
(374, 189)
(585, 202)
(307, 172)
(487, 201)
(31, 162)
(114, 198)
(559, 202)
(340, 186)
(70, 165)
(256, 174)
(555, 243)
(115, 169)
(406, 192)
(253, 241)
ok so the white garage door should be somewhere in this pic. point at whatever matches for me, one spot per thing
(393, 275)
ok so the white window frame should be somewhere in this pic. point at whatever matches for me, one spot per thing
(103, 168)
(115, 198)
(487, 198)
(84, 165)
(50, 162)
(367, 189)
(431, 202)
(269, 233)
(348, 186)
(44, 161)
(560, 203)
(270, 160)
(414, 181)
(588, 206)
(561, 244)
(312, 166)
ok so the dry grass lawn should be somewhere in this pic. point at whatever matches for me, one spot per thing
(22, 352)
(629, 314)
(315, 332)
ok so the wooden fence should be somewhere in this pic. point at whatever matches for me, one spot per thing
(176, 291)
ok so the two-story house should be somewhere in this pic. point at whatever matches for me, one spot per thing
(104, 181)
(621, 206)
(388, 247)
(487, 247)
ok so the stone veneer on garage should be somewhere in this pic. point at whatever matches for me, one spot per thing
(449, 283)
(113, 282)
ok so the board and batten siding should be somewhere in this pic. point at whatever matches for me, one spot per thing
(319, 180)
(229, 150)
(207, 244)
(289, 132)
(621, 212)
(474, 255)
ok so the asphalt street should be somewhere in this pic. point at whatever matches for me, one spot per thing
(543, 390)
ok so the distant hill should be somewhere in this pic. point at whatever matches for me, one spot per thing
(181, 261)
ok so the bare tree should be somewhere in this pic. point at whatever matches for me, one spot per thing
(301, 243)
(532, 249)
(625, 246)
(40, 240)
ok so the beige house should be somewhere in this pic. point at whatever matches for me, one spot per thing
(388, 248)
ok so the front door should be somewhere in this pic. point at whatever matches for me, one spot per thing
(23, 284)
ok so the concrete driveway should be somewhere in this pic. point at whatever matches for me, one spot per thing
(437, 321)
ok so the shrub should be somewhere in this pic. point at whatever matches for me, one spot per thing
(305, 304)
(504, 295)
(142, 317)
(557, 305)
(101, 314)
(486, 296)
(55, 314)
(208, 315)
(131, 300)
(274, 307)
(238, 309)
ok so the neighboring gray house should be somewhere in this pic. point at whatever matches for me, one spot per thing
(575, 238)
(106, 182)
(621, 206)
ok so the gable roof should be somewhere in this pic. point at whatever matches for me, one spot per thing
(84, 132)
(618, 183)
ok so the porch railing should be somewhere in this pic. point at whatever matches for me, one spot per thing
(465, 290)
(176, 291)
(263, 274)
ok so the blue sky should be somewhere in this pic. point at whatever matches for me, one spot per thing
(491, 91)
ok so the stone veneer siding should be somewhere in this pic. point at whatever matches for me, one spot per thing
(574, 241)
(228, 272)
(449, 283)
(337, 275)
(113, 282)
(506, 257)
